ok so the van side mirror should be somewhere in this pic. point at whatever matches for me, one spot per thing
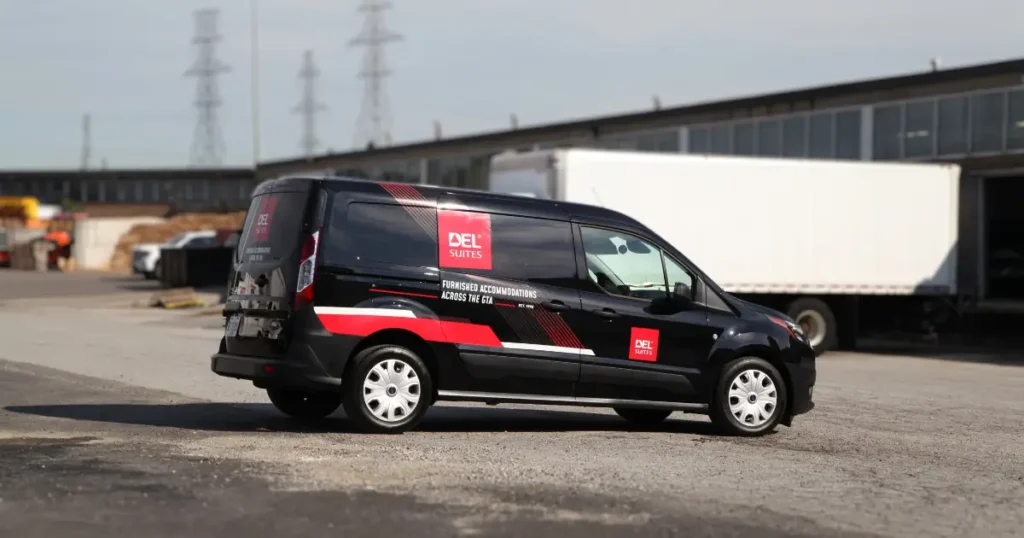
(682, 293)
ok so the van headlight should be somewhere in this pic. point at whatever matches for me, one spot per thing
(793, 328)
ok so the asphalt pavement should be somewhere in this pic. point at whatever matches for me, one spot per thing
(111, 423)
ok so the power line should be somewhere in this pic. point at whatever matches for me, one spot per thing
(309, 107)
(374, 124)
(207, 140)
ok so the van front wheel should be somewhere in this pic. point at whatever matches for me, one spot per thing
(387, 390)
(304, 405)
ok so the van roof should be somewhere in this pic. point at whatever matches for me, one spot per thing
(485, 199)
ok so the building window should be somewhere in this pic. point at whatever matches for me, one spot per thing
(1015, 121)
(820, 142)
(848, 125)
(952, 128)
(700, 140)
(919, 140)
(794, 137)
(661, 142)
(769, 138)
(987, 122)
(721, 139)
(886, 143)
(743, 139)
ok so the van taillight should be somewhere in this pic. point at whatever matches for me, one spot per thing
(307, 271)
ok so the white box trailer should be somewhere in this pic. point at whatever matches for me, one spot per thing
(812, 238)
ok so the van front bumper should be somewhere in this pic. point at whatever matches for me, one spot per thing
(272, 373)
(802, 375)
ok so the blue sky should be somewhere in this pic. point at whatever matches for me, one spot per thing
(466, 63)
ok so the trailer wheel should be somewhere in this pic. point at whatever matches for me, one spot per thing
(817, 321)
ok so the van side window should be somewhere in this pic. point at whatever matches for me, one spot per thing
(679, 279)
(623, 264)
(381, 234)
(534, 250)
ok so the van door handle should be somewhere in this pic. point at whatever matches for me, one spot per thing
(555, 306)
(607, 313)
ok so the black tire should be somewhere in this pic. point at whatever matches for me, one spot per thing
(643, 417)
(305, 406)
(816, 311)
(720, 412)
(358, 410)
(158, 270)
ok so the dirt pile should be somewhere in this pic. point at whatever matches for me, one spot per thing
(121, 260)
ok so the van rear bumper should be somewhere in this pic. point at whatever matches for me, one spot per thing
(265, 373)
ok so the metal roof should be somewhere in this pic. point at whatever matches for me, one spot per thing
(929, 78)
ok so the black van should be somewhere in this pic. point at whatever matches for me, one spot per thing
(385, 298)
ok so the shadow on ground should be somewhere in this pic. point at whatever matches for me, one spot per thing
(238, 418)
(1006, 355)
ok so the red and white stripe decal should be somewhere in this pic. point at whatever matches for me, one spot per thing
(363, 322)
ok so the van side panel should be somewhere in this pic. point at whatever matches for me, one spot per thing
(375, 276)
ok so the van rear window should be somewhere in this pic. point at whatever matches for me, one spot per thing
(381, 234)
(273, 226)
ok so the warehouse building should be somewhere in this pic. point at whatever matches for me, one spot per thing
(973, 116)
(135, 192)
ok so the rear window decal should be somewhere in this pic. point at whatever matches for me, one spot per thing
(261, 225)
(464, 240)
(643, 344)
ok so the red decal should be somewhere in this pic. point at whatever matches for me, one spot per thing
(557, 329)
(464, 239)
(469, 334)
(431, 330)
(404, 293)
(261, 230)
(643, 344)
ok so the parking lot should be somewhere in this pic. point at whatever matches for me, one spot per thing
(110, 420)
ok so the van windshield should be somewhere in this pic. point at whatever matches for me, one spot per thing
(272, 228)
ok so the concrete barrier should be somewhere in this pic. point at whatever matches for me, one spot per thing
(95, 239)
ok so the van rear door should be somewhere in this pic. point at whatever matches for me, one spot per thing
(262, 284)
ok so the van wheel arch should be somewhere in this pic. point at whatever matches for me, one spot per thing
(406, 339)
(759, 352)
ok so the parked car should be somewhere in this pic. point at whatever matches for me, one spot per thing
(385, 298)
(146, 256)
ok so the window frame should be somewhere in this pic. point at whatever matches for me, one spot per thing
(592, 286)
(328, 215)
(491, 272)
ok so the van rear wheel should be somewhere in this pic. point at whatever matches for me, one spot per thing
(304, 405)
(387, 390)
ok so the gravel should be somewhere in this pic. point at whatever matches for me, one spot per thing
(897, 446)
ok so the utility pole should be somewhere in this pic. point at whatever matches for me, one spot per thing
(86, 141)
(207, 141)
(309, 107)
(374, 125)
(254, 45)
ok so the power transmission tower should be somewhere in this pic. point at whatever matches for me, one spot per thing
(207, 140)
(309, 107)
(86, 141)
(374, 124)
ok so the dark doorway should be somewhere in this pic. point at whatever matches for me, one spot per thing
(1004, 237)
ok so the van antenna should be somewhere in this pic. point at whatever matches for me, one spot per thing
(598, 196)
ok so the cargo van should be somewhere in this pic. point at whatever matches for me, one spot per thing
(384, 298)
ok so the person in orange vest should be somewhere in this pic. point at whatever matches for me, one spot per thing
(61, 241)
